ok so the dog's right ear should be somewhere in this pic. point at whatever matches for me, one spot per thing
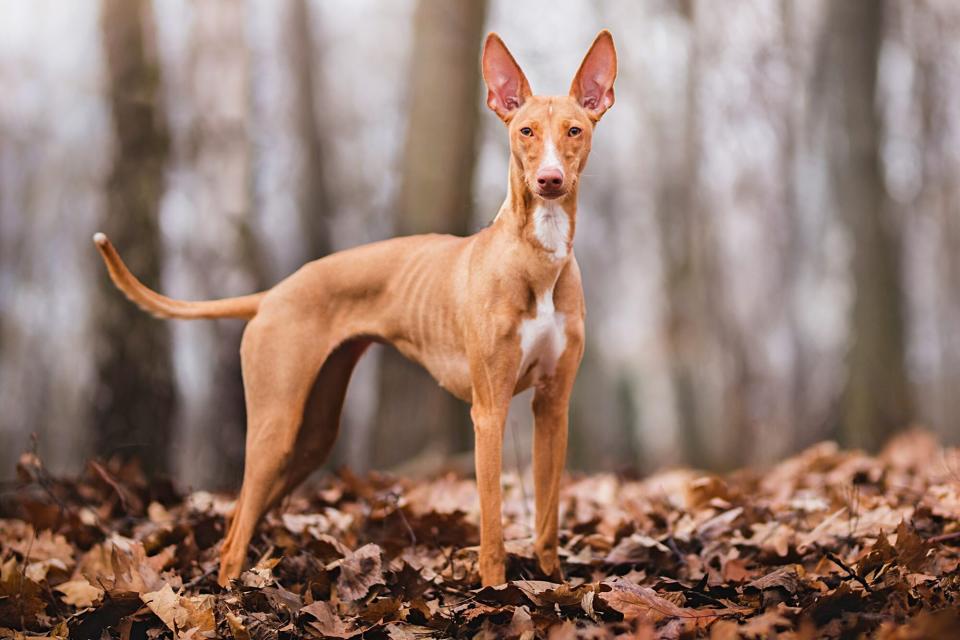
(593, 85)
(507, 87)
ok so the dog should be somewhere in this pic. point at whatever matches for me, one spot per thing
(488, 315)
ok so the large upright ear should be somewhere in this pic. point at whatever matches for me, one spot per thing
(507, 87)
(593, 85)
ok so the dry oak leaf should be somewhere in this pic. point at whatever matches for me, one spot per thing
(165, 604)
(474, 611)
(237, 628)
(786, 578)
(724, 630)
(521, 625)
(21, 601)
(736, 571)
(719, 524)
(509, 593)
(122, 564)
(927, 624)
(197, 613)
(359, 571)
(566, 630)
(547, 594)
(764, 625)
(326, 621)
(912, 550)
(702, 490)
(405, 631)
(634, 549)
(182, 614)
(380, 610)
(79, 593)
(44, 546)
(260, 575)
(821, 534)
(44, 552)
(312, 523)
(646, 605)
(771, 536)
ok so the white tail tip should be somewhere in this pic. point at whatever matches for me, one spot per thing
(99, 238)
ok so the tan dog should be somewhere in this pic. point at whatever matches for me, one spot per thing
(488, 316)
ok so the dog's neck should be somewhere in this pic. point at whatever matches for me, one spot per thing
(546, 225)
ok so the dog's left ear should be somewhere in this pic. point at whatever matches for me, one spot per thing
(593, 85)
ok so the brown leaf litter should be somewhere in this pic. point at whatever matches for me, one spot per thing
(826, 544)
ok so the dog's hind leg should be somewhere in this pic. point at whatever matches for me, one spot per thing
(280, 363)
(321, 416)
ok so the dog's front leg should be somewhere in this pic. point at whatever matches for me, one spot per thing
(494, 378)
(488, 428)
(549, 455)
(551, 403)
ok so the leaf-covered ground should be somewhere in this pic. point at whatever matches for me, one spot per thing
(829, 543)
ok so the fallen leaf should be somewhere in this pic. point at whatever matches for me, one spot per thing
(646, 605)
(764, 625)
(21, 602)
(165, 604)
(237, 629)
(359, 571)
(79, 593)
(325, 621)
(785, 578)
(521, 624)
(196, 612)
(635, 548)
(889, 521)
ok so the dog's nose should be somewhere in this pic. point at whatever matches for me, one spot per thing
(550, 178)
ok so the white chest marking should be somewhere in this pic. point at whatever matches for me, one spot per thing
(542, 339)
(551, 225)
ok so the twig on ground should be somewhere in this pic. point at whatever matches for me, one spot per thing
(200, 578)
(406, 523)
(850, 572)
(105, 475)
(676, 550)
(944, 537)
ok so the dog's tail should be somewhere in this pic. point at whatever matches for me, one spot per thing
(164, 307)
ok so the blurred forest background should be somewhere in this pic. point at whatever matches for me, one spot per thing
(769, 228)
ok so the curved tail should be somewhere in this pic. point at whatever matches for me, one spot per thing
(164, 307)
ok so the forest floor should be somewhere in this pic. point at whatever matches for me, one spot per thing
(827, 544)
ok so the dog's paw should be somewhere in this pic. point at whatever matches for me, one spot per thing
(492, 573)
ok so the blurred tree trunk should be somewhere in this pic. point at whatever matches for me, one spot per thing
(682, 241)
(313, 199)
(797, 414)
(133, 397)
(876, 400)
(218, 254)
(414, 413)
(939, 201)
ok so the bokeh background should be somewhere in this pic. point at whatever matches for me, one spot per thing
(769, 227)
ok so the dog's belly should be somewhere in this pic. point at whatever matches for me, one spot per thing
(450, 369)
(543, 339)
(452, 372)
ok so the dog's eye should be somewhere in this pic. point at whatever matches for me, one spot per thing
(526, 131)
(574, 132)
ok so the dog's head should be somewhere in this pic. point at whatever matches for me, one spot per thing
(550, 135)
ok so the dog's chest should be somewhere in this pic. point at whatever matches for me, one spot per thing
(551, 226)
(542, 340)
